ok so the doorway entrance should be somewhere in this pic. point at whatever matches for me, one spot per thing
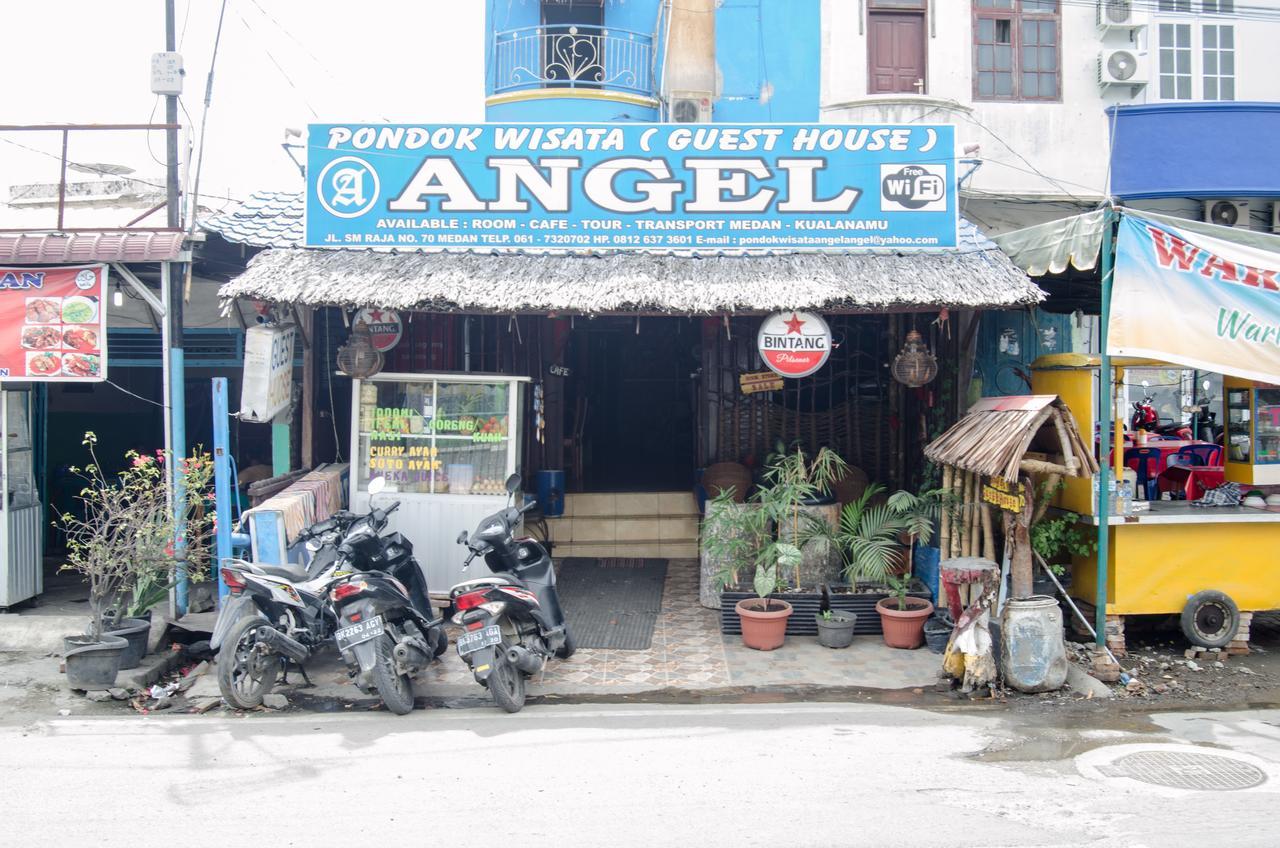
(632, 402)
(895, 48)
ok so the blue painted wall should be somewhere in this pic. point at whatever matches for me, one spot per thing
(638, 16)
(1196, 150)
(1037, 333)
(778, 41)
(758, 42)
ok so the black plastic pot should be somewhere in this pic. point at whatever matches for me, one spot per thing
(93, 664)
(135, 631)
(836, 632)
(937, 631)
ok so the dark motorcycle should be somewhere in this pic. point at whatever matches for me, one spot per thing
(512, 621)
(386, 629)
(275, 613)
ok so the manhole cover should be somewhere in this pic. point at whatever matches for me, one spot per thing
(1186, 770)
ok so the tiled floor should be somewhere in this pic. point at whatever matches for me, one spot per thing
(689, 653)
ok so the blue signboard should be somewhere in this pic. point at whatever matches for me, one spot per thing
(698, 187)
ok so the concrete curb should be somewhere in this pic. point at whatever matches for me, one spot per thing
(1083, 683)
(40, 634)
(153, 667)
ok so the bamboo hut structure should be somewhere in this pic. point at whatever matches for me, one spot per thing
(1010, 441)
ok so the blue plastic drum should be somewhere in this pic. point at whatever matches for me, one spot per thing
(551, 493)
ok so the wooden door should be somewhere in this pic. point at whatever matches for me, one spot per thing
(895, 53)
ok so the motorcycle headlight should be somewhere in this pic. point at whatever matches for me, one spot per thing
(493, 528)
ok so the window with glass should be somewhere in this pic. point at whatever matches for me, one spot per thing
(1266, 427)
(1219, 61)
(435, 436)
(19, 476)
(1175, 61)
(1017, 50)
(1239, 416)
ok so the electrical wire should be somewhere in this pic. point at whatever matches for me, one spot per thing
(131, 394)
(93, 169)
(279, 67)
(204, 123)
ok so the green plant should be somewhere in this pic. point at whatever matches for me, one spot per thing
(899, 584)
(1061, 534)
(770, 530)
(870, 528)
(123, 541)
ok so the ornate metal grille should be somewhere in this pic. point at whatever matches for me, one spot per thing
(567, 56)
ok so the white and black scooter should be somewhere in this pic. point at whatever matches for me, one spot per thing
(512, 621)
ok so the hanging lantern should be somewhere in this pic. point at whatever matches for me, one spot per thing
(915, 366)
(358, 358)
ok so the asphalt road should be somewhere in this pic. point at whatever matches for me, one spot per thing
(710, 775)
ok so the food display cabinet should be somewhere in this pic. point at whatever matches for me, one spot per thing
(1252, 443)
(446, 444)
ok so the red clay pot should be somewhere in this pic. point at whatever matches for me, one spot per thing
(903, 628)
(761, 629)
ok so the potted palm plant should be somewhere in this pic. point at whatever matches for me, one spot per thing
(870, 537)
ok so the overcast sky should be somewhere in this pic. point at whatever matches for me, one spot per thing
(88, 61)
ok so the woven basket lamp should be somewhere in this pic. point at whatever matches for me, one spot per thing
(915, 365)
(358, 358)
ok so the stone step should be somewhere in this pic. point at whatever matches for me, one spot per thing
(630, 504)
(647, 548)
(624, 528)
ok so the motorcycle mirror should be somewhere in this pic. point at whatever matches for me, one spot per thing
(1206, 385)
(462, 537)
(513, 484)
(377, 485)
(1145, 384)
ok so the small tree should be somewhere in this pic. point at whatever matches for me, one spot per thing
(123, 542)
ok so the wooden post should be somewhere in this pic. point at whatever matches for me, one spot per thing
(306, 315)
(1020, 568)
(944, 531)
(988, 533)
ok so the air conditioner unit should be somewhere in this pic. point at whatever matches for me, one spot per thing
(1122, 67)
(1121, 14)
(1227, 213)
(689, 107)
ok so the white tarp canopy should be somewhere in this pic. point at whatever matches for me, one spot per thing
(1075, 242)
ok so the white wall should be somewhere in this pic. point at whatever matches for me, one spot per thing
(1067, 142)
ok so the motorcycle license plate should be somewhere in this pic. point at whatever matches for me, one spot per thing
(361, 631)
(469, 643)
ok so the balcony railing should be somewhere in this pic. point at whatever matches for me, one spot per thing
(562, 56)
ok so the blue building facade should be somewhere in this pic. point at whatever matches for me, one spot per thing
(608, 60)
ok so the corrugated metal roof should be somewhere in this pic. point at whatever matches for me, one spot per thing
(48, 248)
(266, 219)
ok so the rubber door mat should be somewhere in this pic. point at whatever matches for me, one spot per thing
(610, 602)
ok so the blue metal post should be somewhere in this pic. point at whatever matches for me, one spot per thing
(222, 486)
(178, 400)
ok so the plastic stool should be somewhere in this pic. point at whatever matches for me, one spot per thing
(967, 572)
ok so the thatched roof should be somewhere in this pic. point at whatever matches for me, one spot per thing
(996, 434)
(976, 274)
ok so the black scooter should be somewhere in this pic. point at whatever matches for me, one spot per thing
(386, 629)
(512, 620)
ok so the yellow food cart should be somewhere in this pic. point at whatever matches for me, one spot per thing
(1213, 566)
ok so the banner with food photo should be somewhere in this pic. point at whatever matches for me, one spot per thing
(53, 324)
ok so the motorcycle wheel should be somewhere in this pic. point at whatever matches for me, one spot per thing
(396, 690)
(442, 642)
(244, 674)
(506, 682)
(570, 644)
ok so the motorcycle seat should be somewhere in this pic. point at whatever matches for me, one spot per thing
(289, 571)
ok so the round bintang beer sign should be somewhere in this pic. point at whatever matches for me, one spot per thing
(794, 344)
(384, 326)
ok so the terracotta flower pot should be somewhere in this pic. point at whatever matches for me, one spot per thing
(903, 628)
(763, 629)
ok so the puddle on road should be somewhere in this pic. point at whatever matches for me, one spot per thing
(1047, 740)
